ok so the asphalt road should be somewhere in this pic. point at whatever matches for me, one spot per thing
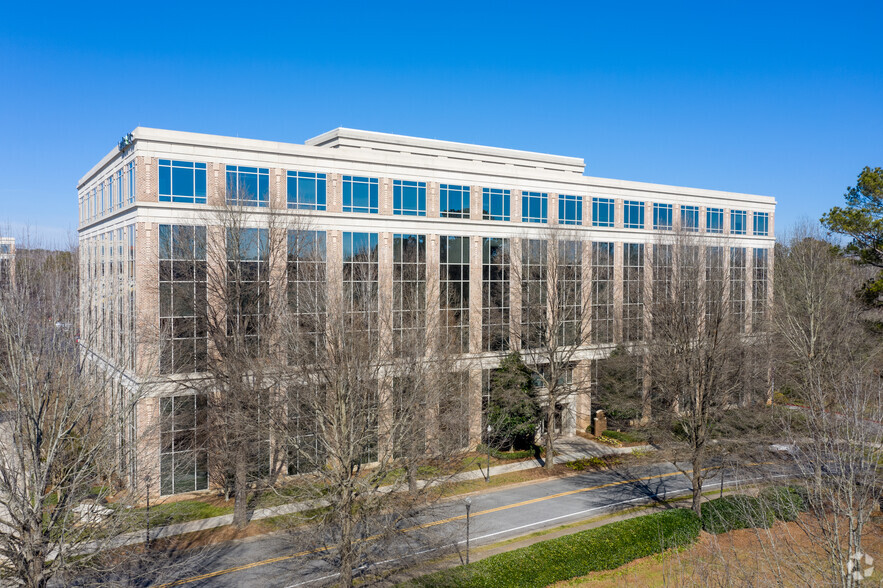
(286, 561)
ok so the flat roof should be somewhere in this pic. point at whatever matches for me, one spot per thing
(390, 143)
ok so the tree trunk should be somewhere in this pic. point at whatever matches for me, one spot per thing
(550, 449)
(697, 484)
(646, 385)
(347, 557)
(412, 477)
(240, 504)
(36, 577)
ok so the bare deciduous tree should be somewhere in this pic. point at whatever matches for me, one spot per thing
(828, 364)
(554, 321)
(60, 451)
(245, 280)
(698, 354)
(372, 391)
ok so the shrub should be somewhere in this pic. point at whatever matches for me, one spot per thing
(524, 454)
(562, 558)
(609, 441)
(786, 502)
(513, 410)
(736, 512)
(623, 436)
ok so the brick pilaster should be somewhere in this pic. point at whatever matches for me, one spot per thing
(146, 184)
(334, 192)
(476, 203)
(515, 275)
(432, 200)
(384, 199)
(515, 206)
(617, 291)
(476, 246)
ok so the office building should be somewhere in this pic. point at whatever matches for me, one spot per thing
(7, 261)
(461, 204)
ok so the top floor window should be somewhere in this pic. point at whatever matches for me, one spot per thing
(181, 181)
(453, 201)
(689, 218)
(306, 190)
(534, 207)
(662, 216)
(4, 248)
(495, 204)
(120, 188)
(714, 220)
(360, 194)
(101, 191)
(570, 209)
(737, 222)
(633, 214)
(409, 198)
(130, 176)
(762, 223)
(248, 186)
(110, 200)
(603, 212)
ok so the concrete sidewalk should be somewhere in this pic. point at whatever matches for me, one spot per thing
(568, 449)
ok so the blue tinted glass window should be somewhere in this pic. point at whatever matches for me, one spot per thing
(603, 212)
(714, 220)
(130, 171)
(495, 204)
(454, 201)
(180, 181)
(248, 186)
(306, 245)
(570, 209)
(534, 207)
(360, 194)
(689, 218)
(409, 198)
(252, 244)
(165, 179)
(738, 225)
(633, 211)
(119, 188)
(359, 245)
(306, 190)
(761, 223)
(662, 216)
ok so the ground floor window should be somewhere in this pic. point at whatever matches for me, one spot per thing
(453, 415)
(183, 458)
(305, 450)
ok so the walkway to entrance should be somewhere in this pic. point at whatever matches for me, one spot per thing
(573, 447)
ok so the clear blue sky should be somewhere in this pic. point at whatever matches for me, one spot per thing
(782, 99)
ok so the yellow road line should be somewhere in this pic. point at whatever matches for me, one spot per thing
(432, 524)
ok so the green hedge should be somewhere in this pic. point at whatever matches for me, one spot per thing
(562, 558)
(736, 512)
(786, 502)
